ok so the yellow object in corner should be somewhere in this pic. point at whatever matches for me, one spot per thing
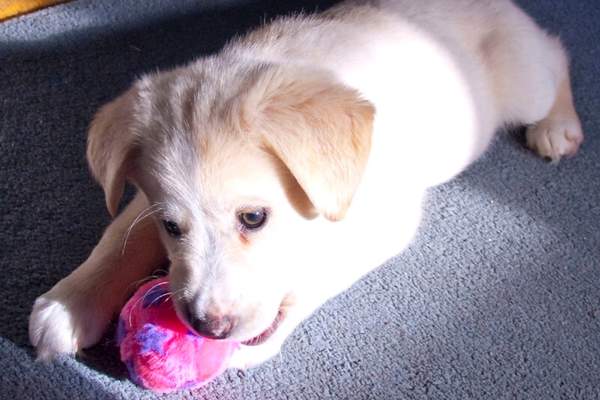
(12, 8)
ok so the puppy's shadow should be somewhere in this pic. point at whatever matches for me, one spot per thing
(559, 195)
(104, 356)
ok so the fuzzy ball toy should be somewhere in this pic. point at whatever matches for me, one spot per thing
(160, 352)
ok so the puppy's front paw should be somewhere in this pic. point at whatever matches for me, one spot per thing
(555, 138)
(51, 329)
(251, 356)
(62, 322)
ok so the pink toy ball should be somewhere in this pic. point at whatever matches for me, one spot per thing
(160, 352)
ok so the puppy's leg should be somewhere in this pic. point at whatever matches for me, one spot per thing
(76, 311)
(530, 74)
(559, 133)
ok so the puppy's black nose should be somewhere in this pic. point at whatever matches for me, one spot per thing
(212, 326)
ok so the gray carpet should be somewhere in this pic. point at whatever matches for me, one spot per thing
(498, 297)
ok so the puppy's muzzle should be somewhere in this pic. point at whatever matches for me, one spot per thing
(212, 326)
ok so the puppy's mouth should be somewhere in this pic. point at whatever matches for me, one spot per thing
(267, 333)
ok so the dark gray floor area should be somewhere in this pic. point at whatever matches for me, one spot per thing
(498, 297)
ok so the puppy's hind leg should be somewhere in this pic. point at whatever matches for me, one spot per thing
(530, 71)
(75, 313)
(559, 133)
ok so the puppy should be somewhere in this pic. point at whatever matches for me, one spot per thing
(277, 172)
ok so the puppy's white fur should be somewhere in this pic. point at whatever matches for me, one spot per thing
(337, 123)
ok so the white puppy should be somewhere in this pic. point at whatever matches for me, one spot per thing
(276, 173)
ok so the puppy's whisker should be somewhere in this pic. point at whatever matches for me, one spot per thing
(166, 295)
(148, 211)
(178, 294)
(141, 216)
(143, 298)
(137, 219)
(148, 278)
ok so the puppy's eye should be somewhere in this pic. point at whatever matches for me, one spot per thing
(172, 228)
(254, 219)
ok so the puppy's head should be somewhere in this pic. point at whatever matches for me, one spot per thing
(235, 164)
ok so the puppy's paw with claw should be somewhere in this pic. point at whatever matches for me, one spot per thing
(555, 138)
(59, 324)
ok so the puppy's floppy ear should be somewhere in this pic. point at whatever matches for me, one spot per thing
(111, 146)
(319, 128)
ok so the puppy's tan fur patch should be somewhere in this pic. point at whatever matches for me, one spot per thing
(320, 129)
(111, 147)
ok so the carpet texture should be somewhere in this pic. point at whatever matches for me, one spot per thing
(497, 298)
